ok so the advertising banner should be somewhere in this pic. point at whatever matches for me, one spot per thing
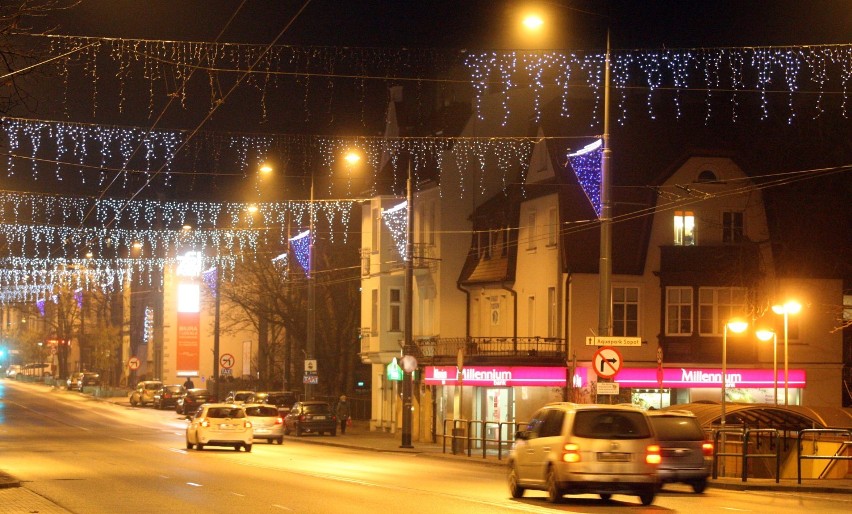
(188, 327)
(707, 377)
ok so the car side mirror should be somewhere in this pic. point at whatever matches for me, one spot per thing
(522, 435)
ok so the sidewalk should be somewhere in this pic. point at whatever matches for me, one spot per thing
(16, 499)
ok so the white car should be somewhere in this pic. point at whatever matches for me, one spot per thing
(13, 370)
(220, 424)
(266, 421)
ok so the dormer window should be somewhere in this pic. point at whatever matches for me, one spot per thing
(684, 228)
(707, 176)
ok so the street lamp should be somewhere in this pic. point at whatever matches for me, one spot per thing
(409, 311)
(791, 307)
(736, 326)
(766, 335)
(533, 22)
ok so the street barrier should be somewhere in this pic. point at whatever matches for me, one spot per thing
(817, 432)
(744, 435)
(464, 435)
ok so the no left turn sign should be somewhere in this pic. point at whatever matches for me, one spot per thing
(226, 361)
(607, 362)
(133, 363)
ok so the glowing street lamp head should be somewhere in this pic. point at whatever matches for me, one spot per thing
(352, 157)
(765, 334)
(252, 208)
(737, 325)
(265, 168)
(791, 307)
(533, 22)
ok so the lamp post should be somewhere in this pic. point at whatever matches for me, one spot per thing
(409, 311)
(791, 307)
(310, 346)
(735, 326)
(766, 335)
(534, 22)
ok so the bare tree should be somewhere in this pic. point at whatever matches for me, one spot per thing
(18, 60)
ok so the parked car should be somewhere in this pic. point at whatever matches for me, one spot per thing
(283, 400)
(144, 392)
(267, 422)
(87, 379)
(167, 396)
(575, 449)
(240, 397)
(71, 383)
(313, 417)
(36, 369)
(219, 424)
(191, 399)
(12, 370)
(687, 454)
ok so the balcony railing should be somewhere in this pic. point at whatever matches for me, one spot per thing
(424, 259)
(487, 348)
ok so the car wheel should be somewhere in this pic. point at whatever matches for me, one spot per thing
(237, 447)
(647, 498)
(280, 440)
(605, 496)
(554, 493)
(199, 446)
(133, 402)
(188, 445)
(699, 485)
(515, 489)
(286, 431)
(247, 447)
(298, 431)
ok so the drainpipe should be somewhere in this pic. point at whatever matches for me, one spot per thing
(569, 383)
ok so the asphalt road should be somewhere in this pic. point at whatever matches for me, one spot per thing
(95, 457)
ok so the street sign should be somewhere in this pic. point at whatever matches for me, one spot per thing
(607, 362)
(134, 363)
(311, 377)
(226, 361)
(607, 388)
(310, 365)
(613, 341)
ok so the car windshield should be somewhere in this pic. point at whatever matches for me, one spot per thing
(226, 412)
(241, 396)
(611, 425)
(173, 389)
(281, 400)
(153, 386)
(316, 408)
(674, 428)
(262, 411)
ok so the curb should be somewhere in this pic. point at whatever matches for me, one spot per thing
(797, 488)
(7, 481)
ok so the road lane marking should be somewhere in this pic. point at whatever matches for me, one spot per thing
(281, 507)
(193, 484)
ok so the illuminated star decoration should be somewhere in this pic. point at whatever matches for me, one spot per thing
(586, 164)
(40, 306)
(209, 278)
(148, 327)
(301, 247)
(396, 219)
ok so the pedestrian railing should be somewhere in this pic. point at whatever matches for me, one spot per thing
(744, 434)
(487, 437)
(817, 432)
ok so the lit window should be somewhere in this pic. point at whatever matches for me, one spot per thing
(625, 311)
(732, 227)
(717, 305)
(552, 312)
(678, 311)
(684, 228)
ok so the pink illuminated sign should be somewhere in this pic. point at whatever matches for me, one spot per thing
(708, 377)
(509, 376)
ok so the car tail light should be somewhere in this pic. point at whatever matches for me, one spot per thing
(205, 423)
(279, 421)
(652, 454)
(707, 449)
(571, 453)
(167, 395)
(302, 417)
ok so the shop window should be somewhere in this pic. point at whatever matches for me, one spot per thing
(684, 228)
(717, 305)
(678, 311)
(625, 311)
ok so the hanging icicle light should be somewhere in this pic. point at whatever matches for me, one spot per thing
(586, 164)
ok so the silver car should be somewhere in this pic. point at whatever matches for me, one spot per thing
(686, 452)
(267, 422)
(575, 449)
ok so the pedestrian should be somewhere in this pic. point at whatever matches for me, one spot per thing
(343, 413)
(188, 384)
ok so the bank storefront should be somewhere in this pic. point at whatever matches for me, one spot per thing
(650, 387)
(495, 397)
